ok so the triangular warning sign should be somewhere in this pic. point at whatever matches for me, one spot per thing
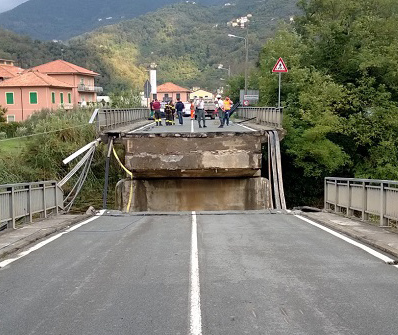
(280, 66)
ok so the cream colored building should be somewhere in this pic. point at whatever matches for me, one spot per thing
(201, 93)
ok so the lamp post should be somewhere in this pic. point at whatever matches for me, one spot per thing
(247, 57)
(221, 67)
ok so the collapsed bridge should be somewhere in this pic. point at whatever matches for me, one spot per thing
(184, 167)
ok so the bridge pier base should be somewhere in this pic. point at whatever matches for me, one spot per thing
(201, 194)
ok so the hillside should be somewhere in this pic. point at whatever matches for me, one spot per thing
(186, 40)
(61, 20)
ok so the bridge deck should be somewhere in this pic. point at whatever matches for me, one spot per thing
(192, 126)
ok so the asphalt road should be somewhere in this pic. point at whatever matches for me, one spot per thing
(192, 126)
(258, 274)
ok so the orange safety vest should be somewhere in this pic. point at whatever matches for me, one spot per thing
(227, 104)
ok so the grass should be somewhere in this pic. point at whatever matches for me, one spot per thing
(12, 147)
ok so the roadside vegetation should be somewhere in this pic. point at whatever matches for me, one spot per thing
(340, 95)
(46, 139)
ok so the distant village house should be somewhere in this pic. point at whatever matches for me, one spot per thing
(53, 85)
(201, 93)
(169, 91)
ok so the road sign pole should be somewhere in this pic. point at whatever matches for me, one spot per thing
(279, 68)
(279, 94)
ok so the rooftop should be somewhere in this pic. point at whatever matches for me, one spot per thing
(32, 78)
(9, 71)
(170, 87)
(61, 67)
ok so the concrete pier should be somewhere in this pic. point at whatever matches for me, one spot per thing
(189, 168)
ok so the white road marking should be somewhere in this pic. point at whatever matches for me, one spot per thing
(49, 240)
(192, 130)
(374, 253)
(147, 125)
(196, 317)
(241, 125)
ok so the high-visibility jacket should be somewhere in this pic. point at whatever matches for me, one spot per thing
(227, 104)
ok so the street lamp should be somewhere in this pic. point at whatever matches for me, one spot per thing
(221, 67)
(247, 57)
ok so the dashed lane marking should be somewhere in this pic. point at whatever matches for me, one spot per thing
(195, 316)
(138, 129)
(241, 125)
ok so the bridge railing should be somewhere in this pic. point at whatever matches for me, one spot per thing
(111, 118)
(28, 199)
(268, 116)
(368, 199)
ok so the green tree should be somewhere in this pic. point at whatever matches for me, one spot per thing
(340, 95)
(3, 111)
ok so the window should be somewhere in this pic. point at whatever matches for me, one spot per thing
(61, 97)
(81, 81)
(10, 98)
(10, 118)
(69, 98)
(33, 98)
(53, 97)
(178, 95)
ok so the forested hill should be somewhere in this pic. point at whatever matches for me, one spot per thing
(186, 40)
(61, 20)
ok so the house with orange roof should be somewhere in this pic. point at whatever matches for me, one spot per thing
(57, 84)
(169, 91)
(8, 70)
(82, 80)
(32, 91)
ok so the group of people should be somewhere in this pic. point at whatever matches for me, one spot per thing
(197, 107)
(223, 108)
(170, 109)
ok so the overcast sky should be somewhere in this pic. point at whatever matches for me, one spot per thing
(9, 4)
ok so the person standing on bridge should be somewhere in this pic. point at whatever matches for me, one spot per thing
(168, 109)
(179, 108)
(156, 107)
(220, 109)
(152, 110)
(200, 106)
(192, 110)
(227, 109)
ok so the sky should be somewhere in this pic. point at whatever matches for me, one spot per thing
(9, 4)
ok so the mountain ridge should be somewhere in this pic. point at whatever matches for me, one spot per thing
(186, 40)
(61, 20)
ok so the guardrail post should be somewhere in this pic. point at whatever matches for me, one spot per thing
(325, 192)
(30, 202)
(56, 197)
(364, 201)
(44, 200)
(349, 210)
(335, 196)
(382, 206)
(11, 189)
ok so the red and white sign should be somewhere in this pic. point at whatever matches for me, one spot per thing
(246, 103)
(280, 66)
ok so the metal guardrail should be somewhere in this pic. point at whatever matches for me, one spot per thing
(269, 116)
(109, 118)
(26, 199)
(365, 196)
